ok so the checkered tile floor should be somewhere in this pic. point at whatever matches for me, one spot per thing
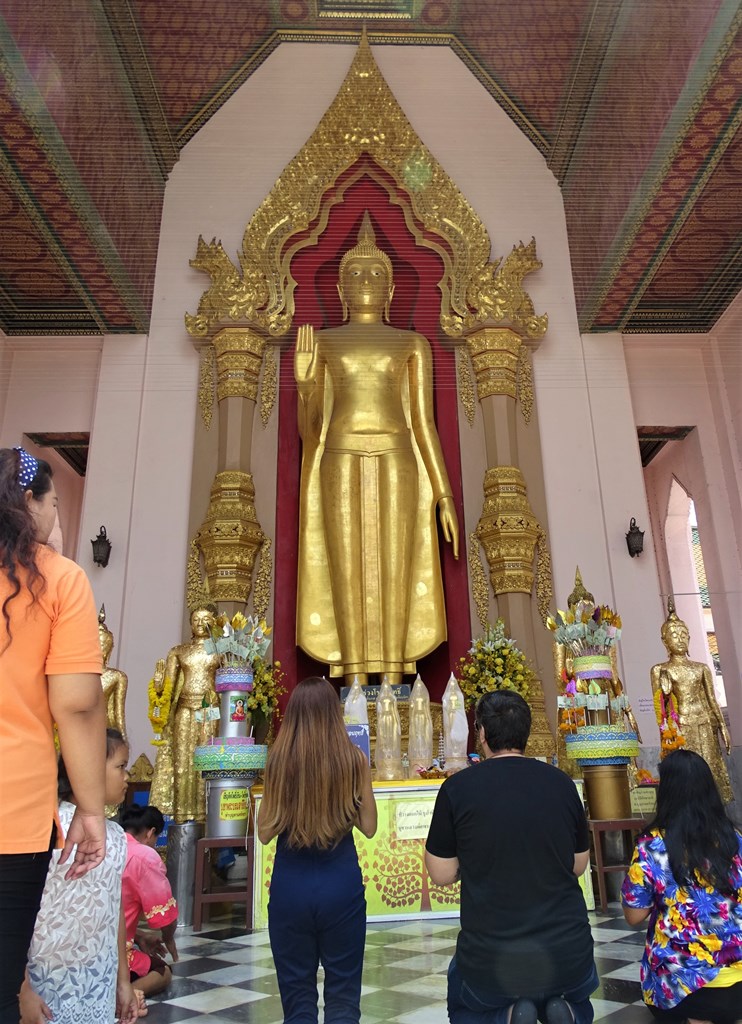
(226, 976)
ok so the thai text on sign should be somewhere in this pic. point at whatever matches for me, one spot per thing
(233, 805)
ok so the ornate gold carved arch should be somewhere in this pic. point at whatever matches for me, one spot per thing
(364, 118)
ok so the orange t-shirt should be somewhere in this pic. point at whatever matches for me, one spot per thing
(56, 635)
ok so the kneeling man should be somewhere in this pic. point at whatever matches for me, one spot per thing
(514, 830)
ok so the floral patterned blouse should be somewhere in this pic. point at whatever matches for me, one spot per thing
(693, 931)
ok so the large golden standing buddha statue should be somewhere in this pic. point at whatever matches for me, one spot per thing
(700, 719)
(370, 593)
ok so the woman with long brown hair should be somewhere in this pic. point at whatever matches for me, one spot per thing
(50, 666)
(317, 789)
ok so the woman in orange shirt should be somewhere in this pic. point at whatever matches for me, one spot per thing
(50, 665)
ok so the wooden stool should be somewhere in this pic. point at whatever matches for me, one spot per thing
(236, 893)
(628, 827)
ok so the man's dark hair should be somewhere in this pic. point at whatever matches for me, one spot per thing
(506, 718)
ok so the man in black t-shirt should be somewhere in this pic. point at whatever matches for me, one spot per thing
(514, 830)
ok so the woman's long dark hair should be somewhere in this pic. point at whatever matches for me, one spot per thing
(700, 838)
(313, 776)
(18, 543)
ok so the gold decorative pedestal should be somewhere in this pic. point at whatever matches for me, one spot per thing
(607, 791)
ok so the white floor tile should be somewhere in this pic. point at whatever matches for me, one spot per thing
(216, 999)
(605, 1007)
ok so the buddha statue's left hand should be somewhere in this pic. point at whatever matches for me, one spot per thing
(449, 522)
(726, 738)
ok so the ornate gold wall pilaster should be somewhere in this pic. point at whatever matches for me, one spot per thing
(231, 537)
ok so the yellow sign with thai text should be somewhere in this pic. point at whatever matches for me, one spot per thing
(233, 805)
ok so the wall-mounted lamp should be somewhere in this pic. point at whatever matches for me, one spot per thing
(101, 548)
(635, 539)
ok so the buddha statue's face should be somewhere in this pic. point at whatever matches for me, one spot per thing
(365, 286)
(676, 637)
(201, 620)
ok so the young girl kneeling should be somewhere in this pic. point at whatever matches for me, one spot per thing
(146, 892)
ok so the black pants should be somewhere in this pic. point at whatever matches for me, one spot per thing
(720, 1005)
(22, 878)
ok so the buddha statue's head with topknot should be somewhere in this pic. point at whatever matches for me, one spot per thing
(674, 632)
(356, 292)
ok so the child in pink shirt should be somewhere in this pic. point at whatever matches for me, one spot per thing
(146, 891)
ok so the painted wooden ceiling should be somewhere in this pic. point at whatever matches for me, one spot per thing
(635, 105)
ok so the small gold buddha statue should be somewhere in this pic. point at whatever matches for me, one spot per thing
(699, 715)
(114, 682)
(176, 788)
(370, 593)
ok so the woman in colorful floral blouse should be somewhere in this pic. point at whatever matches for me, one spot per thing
(686, 879)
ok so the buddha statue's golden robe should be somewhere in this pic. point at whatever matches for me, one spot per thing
(699, 715)
(370, 592)
(114, 682)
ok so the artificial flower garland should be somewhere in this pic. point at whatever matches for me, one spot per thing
(666, 712)
(159, 708)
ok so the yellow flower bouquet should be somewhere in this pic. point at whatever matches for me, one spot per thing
(266, 689)
(493, 662)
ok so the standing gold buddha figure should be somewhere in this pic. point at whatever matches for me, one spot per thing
(370, 592)
(700, 719)
(114, 682)
(176, 788)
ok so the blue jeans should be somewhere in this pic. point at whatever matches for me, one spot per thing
(317, 914)
(467, 1006)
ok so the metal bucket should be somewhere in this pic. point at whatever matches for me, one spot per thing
(228, 807)
(181, 867)
(607, 791)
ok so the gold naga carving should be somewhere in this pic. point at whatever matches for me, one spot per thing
(231, 296)
(510, 534)
(364, 118)
(496, 292)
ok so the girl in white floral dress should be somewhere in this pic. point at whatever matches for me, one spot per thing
(75, 974)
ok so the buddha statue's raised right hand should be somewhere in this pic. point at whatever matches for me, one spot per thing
(159, 676)
(304, 354)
